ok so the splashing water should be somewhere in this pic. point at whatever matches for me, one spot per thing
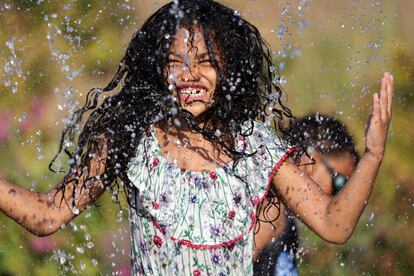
(68, 34)
(12, 67)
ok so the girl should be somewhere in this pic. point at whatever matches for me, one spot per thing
(188, 136)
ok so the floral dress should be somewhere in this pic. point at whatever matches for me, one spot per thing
(199, 223)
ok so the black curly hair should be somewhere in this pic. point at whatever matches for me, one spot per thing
(324, 133)
(247, 90)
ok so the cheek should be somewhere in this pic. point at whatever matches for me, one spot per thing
(323, 179)
(210, 74)
(170, 75)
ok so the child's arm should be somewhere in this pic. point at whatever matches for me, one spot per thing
(44, 214)
(270, 228)
(334, 217)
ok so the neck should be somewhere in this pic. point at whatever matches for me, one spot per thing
(178, 128)
(178, 124)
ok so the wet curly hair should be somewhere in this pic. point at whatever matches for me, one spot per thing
(324, 133)
(247, 90)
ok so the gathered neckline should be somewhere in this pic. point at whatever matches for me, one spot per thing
(225, 167)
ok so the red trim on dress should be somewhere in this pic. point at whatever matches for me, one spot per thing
(252, 214)
(274, 171)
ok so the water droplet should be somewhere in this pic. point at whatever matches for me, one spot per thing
(14, 87)
(282, 80)
(371, 217)
(82, 265)
(177, 123)
(281, 32)
(218, 133)
(87, 236)
(75, 210)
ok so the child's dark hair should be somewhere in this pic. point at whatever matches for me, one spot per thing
(323, 133)
(246, 88)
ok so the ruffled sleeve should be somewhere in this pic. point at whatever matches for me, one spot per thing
(269, 153)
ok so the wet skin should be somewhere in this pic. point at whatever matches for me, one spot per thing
(190, 72)
(192, 78)
(343, 163)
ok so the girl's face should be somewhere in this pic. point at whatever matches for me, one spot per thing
(190, 72)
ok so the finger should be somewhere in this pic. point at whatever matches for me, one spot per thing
(384, 97)
(390, 92)
(376, 108)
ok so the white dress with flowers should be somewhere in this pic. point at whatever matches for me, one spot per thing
(199, 223)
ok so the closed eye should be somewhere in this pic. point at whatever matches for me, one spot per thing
(204, 58)
(174, 60)
(205, 61)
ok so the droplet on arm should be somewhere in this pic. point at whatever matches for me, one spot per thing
(12, 192)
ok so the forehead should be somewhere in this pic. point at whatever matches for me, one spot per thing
(187, 39)
(343, 163)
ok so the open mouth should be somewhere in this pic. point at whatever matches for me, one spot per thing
(189, 95)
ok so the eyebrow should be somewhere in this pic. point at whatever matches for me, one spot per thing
(203, 55)
(182, 54)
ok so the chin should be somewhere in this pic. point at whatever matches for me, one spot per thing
(196, 108)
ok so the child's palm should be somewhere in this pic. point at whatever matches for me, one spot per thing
(379, 122)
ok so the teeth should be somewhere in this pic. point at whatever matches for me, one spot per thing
(192, 91)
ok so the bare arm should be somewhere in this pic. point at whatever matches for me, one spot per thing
(44, 214)
(271, 226)
(334, 217)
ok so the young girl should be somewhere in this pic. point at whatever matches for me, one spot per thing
(188, 136)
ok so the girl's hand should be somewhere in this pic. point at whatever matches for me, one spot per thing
(379, 121)
(334, 217)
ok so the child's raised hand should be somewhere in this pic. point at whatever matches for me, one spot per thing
(379, 121)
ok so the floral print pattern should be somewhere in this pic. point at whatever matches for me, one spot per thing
(199, 223)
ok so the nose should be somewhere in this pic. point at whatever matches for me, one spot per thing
(190, 72)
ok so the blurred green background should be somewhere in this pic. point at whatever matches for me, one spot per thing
(330, 55)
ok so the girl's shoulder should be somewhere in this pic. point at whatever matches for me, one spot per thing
(263, 135)
(264, 131)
